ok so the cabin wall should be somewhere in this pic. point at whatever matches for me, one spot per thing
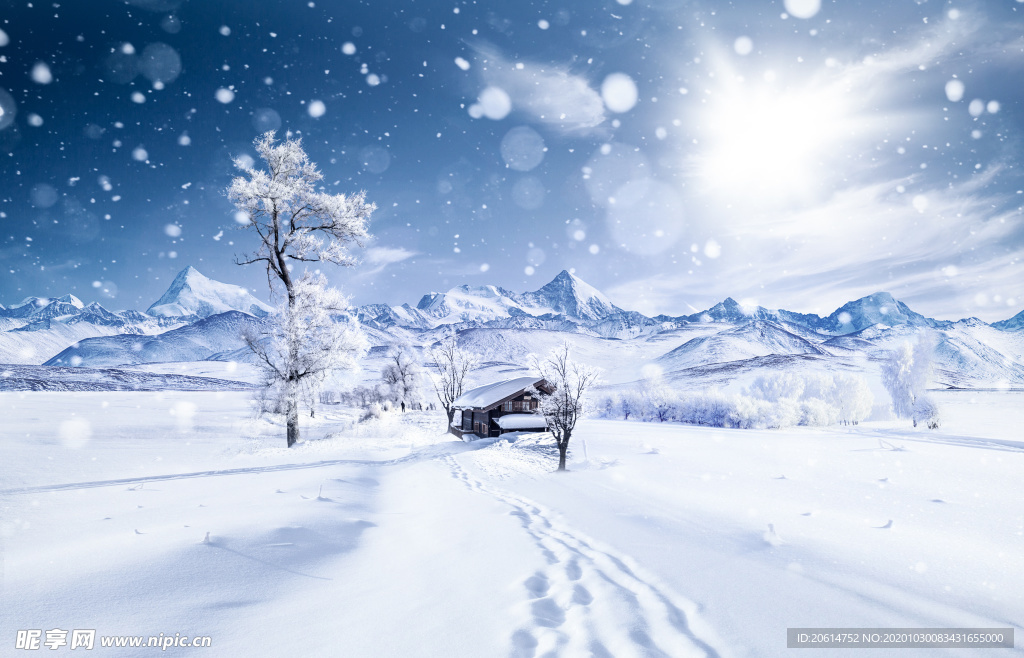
(482, 423)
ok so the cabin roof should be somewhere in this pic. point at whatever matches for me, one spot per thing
(491, 395)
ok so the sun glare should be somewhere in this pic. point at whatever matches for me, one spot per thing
(770, 144)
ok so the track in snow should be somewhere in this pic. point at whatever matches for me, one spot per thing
(587, 601)
(70, 486)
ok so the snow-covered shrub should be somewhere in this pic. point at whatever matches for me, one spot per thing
(771, 401)
(710, 409)
(784, 412)
(853, 397)
(372, 412)
(926, 411)
(816, 412)
(608, 406)
(819, 387)
(662, 403)
(813, 399)
(777, 386)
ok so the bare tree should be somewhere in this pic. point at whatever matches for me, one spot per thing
(563, 408)
(449, 363)
(295, 223)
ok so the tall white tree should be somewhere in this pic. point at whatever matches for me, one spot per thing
(328, 337)
(402, 374)
(295, 222)
(853, 398)
(905, 374)
(562, 409)
(449, 363)
(897, 377)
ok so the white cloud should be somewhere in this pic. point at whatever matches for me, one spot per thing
(862, 240)
(386, 255)
(550, 93)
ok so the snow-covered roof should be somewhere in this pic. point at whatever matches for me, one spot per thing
(491, 394)
(522, 422)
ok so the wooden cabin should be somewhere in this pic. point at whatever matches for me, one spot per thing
(506, 406)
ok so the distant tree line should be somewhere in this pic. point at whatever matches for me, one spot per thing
(771, 401)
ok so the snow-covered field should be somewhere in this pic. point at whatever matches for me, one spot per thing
(386, 538)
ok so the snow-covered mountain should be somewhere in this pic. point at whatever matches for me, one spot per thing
(193, 295)
(570, 296)
(38, 328)
(566, 297)
(713, 346)
(1016, 323)
(879, 308)
(48, 378)
(745, 341)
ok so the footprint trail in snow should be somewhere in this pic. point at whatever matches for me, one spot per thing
(587, 601)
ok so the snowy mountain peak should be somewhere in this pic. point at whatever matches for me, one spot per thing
(72, 300)
(878, 308)
(730, 310)
(1015, 323)
(570, 295)
(193, 294)
(32, 303)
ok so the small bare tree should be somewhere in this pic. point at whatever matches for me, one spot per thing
(449, 363)
(296, 223)
(563, 408)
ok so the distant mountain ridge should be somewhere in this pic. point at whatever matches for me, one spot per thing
(729, 337)
(567, 299)
(38, 328)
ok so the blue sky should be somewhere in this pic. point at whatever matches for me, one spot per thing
(796, 155)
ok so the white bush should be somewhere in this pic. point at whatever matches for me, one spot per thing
(372, 412)
(778, 386)
(772, 401)
(926, 411)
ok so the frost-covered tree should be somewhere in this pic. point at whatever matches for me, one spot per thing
(926, 411)
(569, 402)
(401, 374)
(897, 378)
(778, 386)
(316, 320)
(853, 398)
(449, 364)
(295, 222)
(905, 374)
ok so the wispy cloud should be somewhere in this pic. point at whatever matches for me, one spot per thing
(550, 93)
(376, 259)
(947, 249)
(386, 255)
(874, 215)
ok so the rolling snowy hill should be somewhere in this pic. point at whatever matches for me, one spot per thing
(193, 342)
